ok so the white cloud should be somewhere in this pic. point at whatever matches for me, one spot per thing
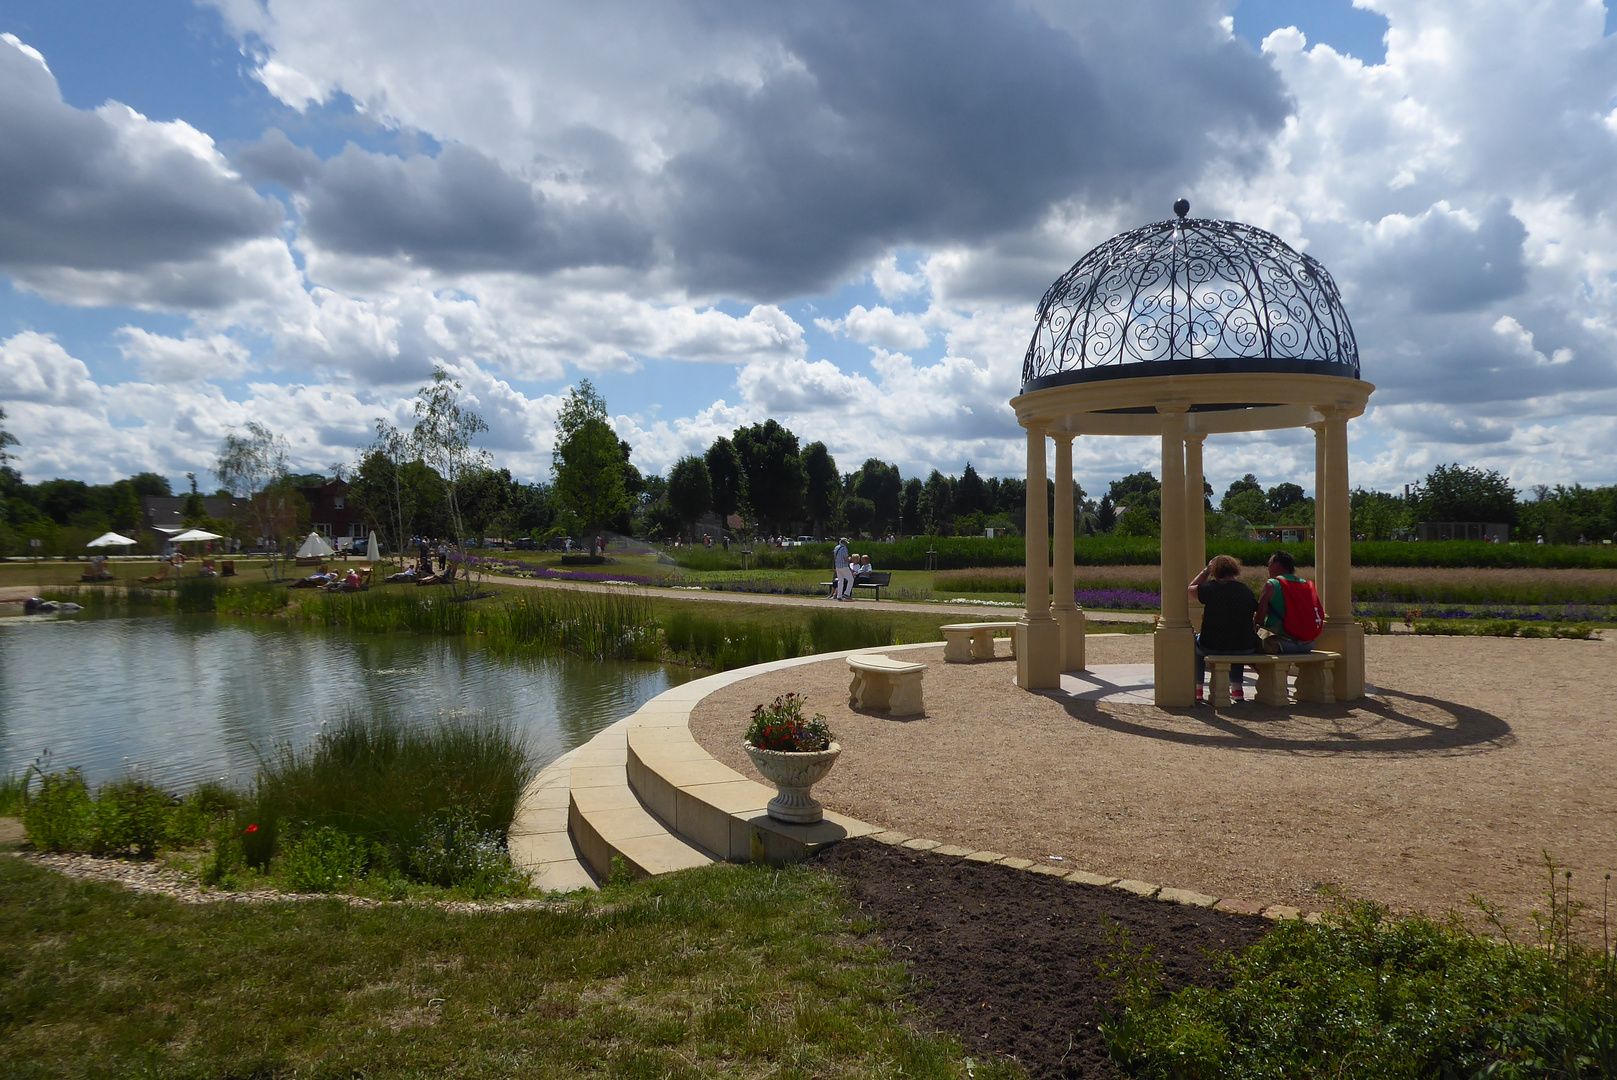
(37, 370)
(879, 326)
(191, 359)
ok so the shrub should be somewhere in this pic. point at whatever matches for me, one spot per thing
(58, 814)
(132, 814)
(322, 859)
(1370, 996)
(454, 853)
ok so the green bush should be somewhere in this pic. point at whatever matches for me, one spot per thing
(1373, 997)
(58, 813)
(454, 853)
(132, 814)
(322, 859)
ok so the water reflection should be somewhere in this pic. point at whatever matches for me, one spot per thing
(194, 698)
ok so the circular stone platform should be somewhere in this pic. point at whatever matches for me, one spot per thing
(1442, 783)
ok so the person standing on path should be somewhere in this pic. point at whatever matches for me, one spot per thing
(443, 556)
(839, 559)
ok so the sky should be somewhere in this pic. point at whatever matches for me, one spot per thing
(841, 215)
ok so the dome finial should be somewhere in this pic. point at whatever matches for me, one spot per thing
(1181, 207)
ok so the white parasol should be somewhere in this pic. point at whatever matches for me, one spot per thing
(315, 547)
(193, 534)
(373, 552)
(111, 539)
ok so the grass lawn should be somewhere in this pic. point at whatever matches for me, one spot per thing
(727, 971)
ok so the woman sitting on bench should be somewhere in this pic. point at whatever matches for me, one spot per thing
(1228, 612)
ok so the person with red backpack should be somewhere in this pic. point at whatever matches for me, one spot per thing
(1289, 608)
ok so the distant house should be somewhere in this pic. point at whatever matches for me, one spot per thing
(1281, 534)
(1492, 532)
(333, 515)
(166, 516)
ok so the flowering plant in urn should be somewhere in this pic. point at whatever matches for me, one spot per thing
(794, 753)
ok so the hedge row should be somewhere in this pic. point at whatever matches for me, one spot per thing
(966, 552)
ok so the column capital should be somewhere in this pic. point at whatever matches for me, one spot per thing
(1034, 426)
(1175, 407)
(1063, 436)
(1195, 437)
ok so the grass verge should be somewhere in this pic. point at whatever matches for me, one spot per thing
(726, 971)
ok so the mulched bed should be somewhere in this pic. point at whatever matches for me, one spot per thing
(1006, 960)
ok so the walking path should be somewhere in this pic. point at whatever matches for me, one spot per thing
(966, 612)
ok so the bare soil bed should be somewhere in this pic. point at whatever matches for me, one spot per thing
(1471, 759)
(1011, 962)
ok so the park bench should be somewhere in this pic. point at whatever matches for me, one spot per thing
(1315, 676)
(882, 684)
(876, 579)
(973, 640)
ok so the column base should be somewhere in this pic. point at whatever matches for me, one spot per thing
(1346, 638)
(1071, 621)
(1175, 660)
(1038, 654)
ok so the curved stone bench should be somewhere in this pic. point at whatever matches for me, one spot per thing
(1315, 679)
(882, 684)
(963, 642)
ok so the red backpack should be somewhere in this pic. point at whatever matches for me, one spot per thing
(1304, 617)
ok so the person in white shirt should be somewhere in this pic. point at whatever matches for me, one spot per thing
(839, 558)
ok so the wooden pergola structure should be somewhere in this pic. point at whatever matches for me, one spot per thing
(1181, 330)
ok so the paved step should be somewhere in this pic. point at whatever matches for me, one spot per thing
(606, 818)
(539, 841)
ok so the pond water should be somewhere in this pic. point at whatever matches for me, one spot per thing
(189, 698)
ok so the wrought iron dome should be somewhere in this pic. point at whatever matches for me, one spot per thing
(1190, 296)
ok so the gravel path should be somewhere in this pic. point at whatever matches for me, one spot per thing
(1473, 757)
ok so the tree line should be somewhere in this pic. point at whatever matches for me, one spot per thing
(433, 480)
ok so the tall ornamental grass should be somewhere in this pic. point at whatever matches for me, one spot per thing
(724, 643)
(386, 786)
(601, 627)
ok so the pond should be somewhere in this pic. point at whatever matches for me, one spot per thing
(190, 698)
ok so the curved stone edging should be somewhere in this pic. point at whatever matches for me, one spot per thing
(722, 811)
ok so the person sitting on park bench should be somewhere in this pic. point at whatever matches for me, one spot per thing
(1288, 608)
(1228, 612)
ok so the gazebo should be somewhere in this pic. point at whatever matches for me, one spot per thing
(1183, 329)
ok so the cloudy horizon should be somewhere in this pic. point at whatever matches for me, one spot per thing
(840, 216)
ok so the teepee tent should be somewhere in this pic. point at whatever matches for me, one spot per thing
(315, 547)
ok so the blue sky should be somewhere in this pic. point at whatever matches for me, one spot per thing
(840, 215)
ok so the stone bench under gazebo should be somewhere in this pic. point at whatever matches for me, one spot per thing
(1179, 330)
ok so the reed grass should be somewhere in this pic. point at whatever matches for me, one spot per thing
(724, 642)
(594, 625)
(376, 779)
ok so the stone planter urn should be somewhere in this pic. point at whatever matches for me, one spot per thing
(793, 772)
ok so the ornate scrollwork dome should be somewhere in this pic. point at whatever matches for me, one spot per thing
(1189, 296)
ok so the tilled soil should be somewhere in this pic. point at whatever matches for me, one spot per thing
(1010, 961)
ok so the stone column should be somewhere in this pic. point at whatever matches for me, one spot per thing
(1195, 519)
(1342, 634)
(1038, 653)
(1321, 510)
(1068, 614)
(1175, 647)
